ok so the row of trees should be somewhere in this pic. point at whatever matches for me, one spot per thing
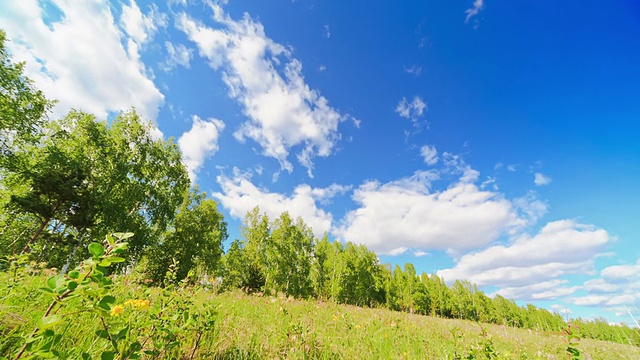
(68, 181)
(284, 257)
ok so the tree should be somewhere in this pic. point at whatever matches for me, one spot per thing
(194, 240)
(23, 109)
(291, 251)
(84, 177)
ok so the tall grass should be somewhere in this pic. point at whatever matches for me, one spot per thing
(269, 327)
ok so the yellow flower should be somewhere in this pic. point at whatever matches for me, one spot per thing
(137, 303)
(143, 304)
(117, 310)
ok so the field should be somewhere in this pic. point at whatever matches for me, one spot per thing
(235, 325)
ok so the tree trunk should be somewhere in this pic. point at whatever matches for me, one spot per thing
(35, 236)
(65, 268)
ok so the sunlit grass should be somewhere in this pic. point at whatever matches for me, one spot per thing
(266, 327)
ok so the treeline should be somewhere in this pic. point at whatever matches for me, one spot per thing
(69, 181)
(282, 256)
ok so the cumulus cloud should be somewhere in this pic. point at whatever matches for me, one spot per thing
(460, 217)
(282, 111)
(239, 195)
(177, 55)
(617, 289)
(429, 154)
(199, 143)
(541, 180)
(80, 59)
(474, 10)
(412, 110)
(531, 267)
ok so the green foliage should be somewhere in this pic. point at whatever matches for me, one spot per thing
(85, 177)
(122, 329)
(23, 109)
(194, 240)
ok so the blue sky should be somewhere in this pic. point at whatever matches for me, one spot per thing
(494, 141)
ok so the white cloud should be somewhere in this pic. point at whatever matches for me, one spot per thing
(141, 27)
(474, 10)
(617, 289)
(429, 154)
(199, 143)
(413, 70)
(322, 68)
(544, 290)
(80, 60)
(406, 214)
(283, 112)
(541, 180)
(239, 195)
(511, 168)
(413, 110)
(531, 267)
(177, 55)
(327, 32)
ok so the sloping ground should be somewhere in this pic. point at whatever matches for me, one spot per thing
(274, 327)
(264, 327)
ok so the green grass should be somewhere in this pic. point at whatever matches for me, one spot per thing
(265, 327)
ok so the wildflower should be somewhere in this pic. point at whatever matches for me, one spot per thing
(117, 310)
(358, 326)
(137, 303)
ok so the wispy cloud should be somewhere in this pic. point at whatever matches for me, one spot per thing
(283, 111)
(414, 70)
(540, 179)
(474, 10)
(429, 154)
(177, 55)
(413, 110)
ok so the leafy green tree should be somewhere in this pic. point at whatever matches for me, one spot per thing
(291, 251)
(259, 256)
(85, 178)
(358, 285)
(194, 240)
(23, 108)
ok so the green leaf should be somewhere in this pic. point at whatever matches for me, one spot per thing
(111, 240)
(75, 274)
(123, 333)
(123, 236)
(48, 321)
(108, 355)
(96, 249)
(72, 285)
(86, 356)
(106, 302)
(46, 290)
(51, 282)
(105, 262)
(103, 334)
(116, 259)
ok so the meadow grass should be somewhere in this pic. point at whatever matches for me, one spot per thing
(277, 327)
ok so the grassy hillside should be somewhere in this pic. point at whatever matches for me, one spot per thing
(235, 325)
